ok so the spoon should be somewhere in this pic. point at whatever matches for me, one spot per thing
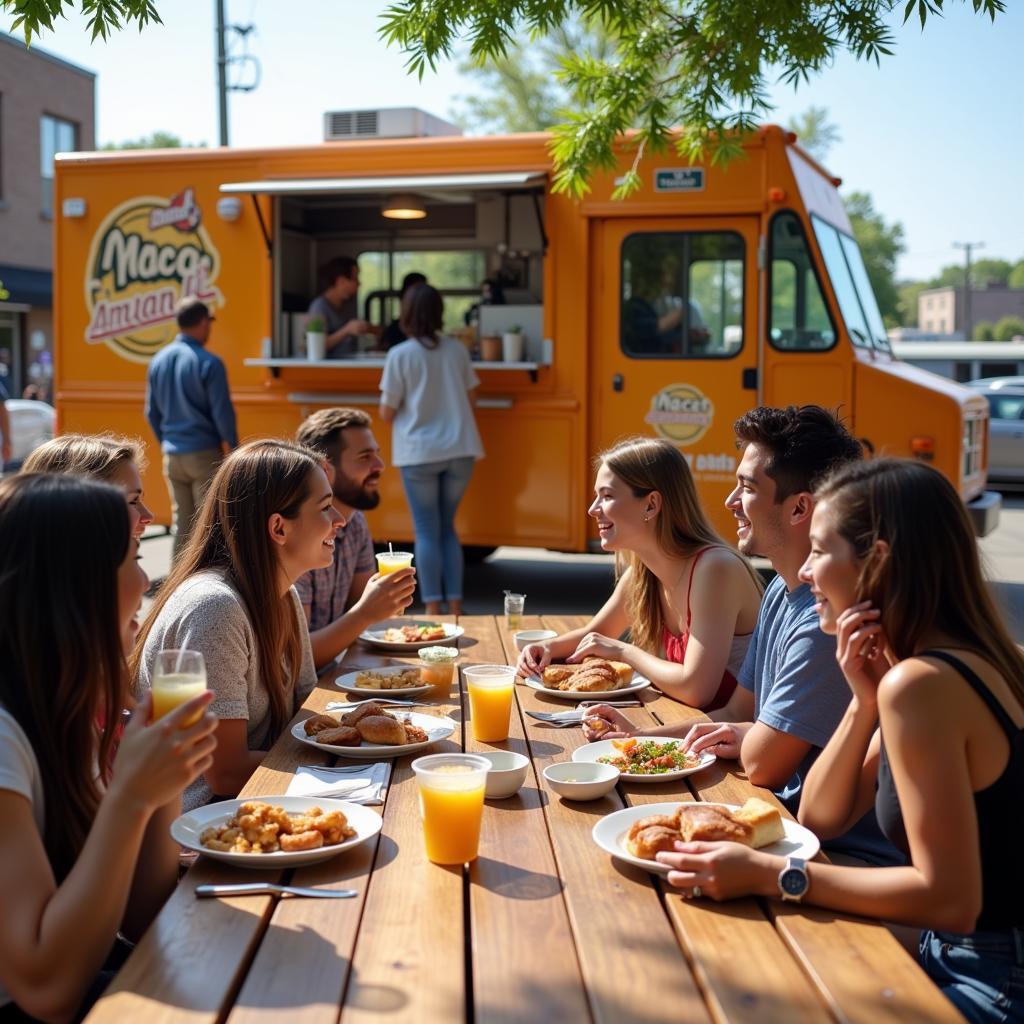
(265, 888)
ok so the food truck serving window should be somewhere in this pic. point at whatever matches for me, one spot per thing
(682, 295)
(800, 320)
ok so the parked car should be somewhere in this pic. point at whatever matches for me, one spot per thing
(32, 423)
(1006, 427)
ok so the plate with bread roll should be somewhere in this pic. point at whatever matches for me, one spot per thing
(590, 679)
(404, 636)
(392, 680)
(638, 834)
(370, 731)
(645, 758)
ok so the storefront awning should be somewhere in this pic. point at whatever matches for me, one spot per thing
(25, 285)
(404, 183)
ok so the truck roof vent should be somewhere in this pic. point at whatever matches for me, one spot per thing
(386, 123)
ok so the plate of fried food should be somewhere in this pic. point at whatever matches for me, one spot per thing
(645, 758)
(401, 635)
(637, 834)
(590, 679)
(276, 831)
(398, 680)
(370, 731)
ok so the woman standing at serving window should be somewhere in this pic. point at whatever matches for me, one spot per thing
(427, 395)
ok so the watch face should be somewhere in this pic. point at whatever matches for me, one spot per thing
(793, 882)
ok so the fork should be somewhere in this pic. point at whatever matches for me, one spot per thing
(342, 705)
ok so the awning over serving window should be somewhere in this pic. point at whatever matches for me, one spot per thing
(405, 183)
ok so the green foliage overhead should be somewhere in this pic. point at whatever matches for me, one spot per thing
(693, 74)
(1008, 328)
(103, 16)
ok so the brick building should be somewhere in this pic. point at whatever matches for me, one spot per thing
(46, 106)
(940, 311)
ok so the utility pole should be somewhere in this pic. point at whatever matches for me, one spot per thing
(968, 248)
(222, 74)
(223, 61)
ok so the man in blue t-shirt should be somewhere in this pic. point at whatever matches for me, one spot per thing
(792, 693)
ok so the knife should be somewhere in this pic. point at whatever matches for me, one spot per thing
(266, 888)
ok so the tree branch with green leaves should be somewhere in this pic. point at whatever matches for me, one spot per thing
(688, 74)
(31, 17)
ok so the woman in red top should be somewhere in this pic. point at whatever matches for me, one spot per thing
(688, 600)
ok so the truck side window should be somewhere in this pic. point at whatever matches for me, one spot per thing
(843, 283)
(682, 295)
(800, 321)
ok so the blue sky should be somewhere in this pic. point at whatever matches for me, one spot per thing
(936, 134)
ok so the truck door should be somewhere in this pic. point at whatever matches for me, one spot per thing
(673, 340)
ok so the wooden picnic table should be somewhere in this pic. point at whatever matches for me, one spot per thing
(544, 925)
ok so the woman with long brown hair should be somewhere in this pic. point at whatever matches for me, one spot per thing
(933, 738)
(116, 460)
(85, 847)
(689, 601)
(267, 518)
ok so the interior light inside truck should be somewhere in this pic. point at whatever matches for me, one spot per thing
(404, 207)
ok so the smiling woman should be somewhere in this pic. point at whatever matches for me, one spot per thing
(267, 518)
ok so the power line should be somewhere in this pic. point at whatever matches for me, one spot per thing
(224, 61)
(968, 248)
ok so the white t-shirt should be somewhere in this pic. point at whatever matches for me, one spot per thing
(429, 388)
(19, 773)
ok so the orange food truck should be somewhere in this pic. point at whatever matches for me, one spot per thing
(669, 314)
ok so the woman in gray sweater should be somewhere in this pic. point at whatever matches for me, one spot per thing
(267, 518)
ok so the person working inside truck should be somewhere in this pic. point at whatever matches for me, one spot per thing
(346, 597)
(393, 333)
(653, 313)
(336, 306)
(791, 694)
(689, 601)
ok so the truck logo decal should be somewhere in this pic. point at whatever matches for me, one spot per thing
(147, 254)
(680, 413)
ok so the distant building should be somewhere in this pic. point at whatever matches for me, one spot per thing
(940, 311)
(47, 106)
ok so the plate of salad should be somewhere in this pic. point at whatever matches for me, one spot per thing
(645, 758)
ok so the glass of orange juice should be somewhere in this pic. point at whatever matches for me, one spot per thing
(392, 561)
(178, 676)
(451, 804)
(490, 690)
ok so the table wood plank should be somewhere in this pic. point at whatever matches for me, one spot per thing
(624, 942)
(523, 957)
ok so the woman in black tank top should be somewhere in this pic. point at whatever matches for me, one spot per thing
(933, 737)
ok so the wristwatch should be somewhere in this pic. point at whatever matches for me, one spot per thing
(793, 880)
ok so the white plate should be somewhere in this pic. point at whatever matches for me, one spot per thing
(436, 727)
(604, 748)
(347, 683)
(187, 829)
(638, 683)
(611, 831)
(375, 636)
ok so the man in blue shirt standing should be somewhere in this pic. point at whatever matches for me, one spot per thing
(189, 408)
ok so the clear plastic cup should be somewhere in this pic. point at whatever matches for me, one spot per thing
(490, 688)
(437, 667)
(392, 561)
(514, 609)
(451, 790)
(178, 676)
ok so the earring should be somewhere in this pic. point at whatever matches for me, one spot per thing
(647, 519)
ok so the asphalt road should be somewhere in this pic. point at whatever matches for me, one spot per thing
(556, 583)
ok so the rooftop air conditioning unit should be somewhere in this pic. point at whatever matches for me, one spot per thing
(389, 123)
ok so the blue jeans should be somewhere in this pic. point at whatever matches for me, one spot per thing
(434, 491)
(982, 974)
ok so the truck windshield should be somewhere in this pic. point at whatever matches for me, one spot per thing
(853, 288)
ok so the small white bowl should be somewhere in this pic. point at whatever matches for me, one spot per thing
(507, 774)
(581, 780)
(532, 636)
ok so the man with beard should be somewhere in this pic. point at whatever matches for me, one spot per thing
(349, 596)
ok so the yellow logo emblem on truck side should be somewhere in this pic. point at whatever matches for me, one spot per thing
(148, 253)
(680, 413)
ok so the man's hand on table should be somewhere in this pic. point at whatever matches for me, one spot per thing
(606, 723)
(723, 739)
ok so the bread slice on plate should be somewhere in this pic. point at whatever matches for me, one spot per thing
(764, 819)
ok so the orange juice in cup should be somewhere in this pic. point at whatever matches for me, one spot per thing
(490, 689)
(392, 561)
(451, 789)
(178, 676)
(437, 667)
